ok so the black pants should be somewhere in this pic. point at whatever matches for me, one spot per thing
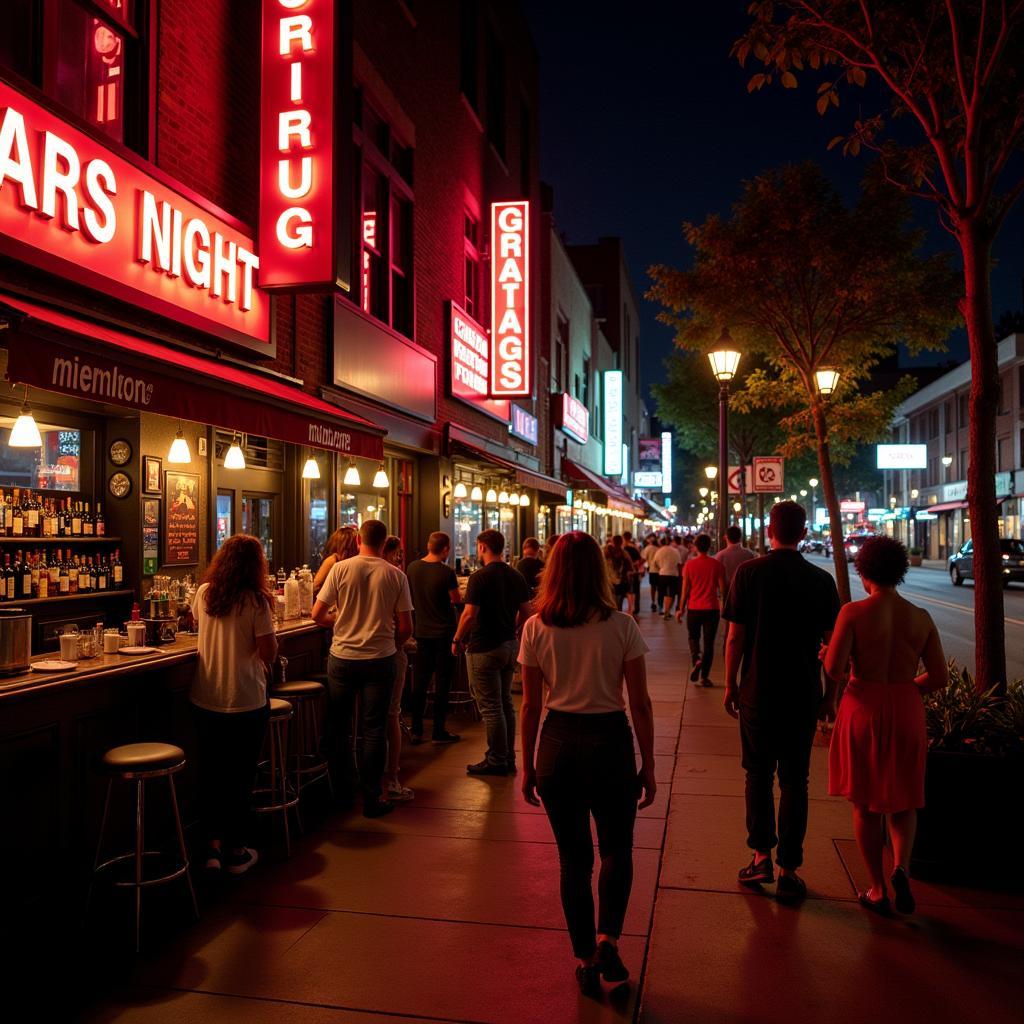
(229, 749)
(780, 741)
(700, 622)
(586, 766)
(433, 660)
(655, 581)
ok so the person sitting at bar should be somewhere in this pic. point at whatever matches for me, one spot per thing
(342, 544)
(393, 788)
(237, 644)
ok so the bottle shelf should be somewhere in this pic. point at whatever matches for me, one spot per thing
(57, 541)
(32, 602)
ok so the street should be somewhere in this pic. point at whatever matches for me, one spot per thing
(952, 608)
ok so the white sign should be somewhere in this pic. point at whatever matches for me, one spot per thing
(575, 419)
(852, 506)
(902, 456)
(647, 479)
(955, 492)
(613, 462)
(734, 480)
(666, 462)
(624, 475)
(769, 474)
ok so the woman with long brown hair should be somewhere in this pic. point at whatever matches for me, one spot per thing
(342, 544)
(576, 652)
(229, 694)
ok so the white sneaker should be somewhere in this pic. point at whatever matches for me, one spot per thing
(397, 792)
(239, 861)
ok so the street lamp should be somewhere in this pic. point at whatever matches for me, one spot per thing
(725, 360)
(702, 491)
(814, 500)
(711, 472)
(827, 379)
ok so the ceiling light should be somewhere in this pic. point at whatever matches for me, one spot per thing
(311, 470)
(524, 500)
(503, 497)
(25, 432)
(351, 478)
(460, 490)
(180, 452)
(492, 495)
(234, 458)
(380, 478)
(476, 494)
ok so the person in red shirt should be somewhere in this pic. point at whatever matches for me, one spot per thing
(703, 591)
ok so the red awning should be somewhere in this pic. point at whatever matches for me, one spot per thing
(103, 364)
(593, 482)
(949, 506)
(523, 477)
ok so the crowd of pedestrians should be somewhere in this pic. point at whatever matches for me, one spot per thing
(566, 615)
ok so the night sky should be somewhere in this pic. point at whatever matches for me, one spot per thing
(646, 122)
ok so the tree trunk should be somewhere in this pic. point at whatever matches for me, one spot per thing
(989, 626)
(828, 487)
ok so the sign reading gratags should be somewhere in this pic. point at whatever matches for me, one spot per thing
(511, 357)
(902, 456)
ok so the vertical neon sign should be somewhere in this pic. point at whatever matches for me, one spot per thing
(297, 207)
(613, 461)
(511, 355)
(666, 463)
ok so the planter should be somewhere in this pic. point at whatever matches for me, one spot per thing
(968, 831)
(916, 561)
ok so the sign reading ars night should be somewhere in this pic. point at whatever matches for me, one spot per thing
(510, 301)
(296, 229)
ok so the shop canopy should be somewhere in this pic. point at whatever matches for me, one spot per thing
(949, 506)
(103, 364)
(469, 444)
(616, 496)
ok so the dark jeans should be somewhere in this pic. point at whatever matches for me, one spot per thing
(490, 678)
(702, 622)
(777, 741)
(586, 766)
(655, 580)
(372, 681)
(434, 660)
(229, 749)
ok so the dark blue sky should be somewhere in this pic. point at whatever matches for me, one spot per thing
(646, 122)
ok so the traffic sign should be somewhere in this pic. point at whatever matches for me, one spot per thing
(769, 474)
(734, 480)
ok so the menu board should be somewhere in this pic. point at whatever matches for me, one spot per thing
(181, 518)
(150, 536)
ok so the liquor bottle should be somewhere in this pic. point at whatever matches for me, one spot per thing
(76, 520)
(43, 585)
(7, 580)
(17, 516)
(30, 509)
(102, 576)
(64, 519)
(23, 571)
(73, 575)
(93, 566)
(88, 523)
(101, 523)
(63, 578)
(53, 570)
(116, 571)
(3, 514)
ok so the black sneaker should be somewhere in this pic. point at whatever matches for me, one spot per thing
(485, 767)
(905, 903)
(610, 964)
(695, 674)
(589, 980)
(377, 808)
(757, 873)
(791, 889)
(445, 737)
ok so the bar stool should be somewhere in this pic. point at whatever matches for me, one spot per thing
(279, 796)
(461, 695)
(307, 763)
(138, 763)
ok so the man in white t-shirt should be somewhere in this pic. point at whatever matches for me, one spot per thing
(649, 551)
(365, 601)
(666, 564)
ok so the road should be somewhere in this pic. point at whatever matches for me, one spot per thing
(952, 608)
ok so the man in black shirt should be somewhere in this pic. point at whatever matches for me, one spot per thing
(497, 604)
(781, 609)
(530, 566)
(435, 592)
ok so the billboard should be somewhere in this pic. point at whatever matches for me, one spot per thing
(902, 456)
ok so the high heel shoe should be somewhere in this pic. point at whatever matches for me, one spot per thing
(901, 889)
(880, 906)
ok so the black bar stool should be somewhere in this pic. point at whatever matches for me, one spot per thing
(138, 763)
(278, 796)
(307, 763)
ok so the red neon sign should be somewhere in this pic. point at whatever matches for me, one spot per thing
(296, 229)
(470, 350)
(511, 356)
(74, 208)
(575, 418)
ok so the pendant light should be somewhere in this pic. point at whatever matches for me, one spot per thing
(311, 470)
(476, 494)
(180, 454)
(513, 499)
(380, 478)
(503, 497)
(524, 501)
(25, 432)
(352, 478)
(492, 495)
(234, 458)
(460, 490)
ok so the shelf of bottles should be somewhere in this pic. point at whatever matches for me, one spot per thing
(47, 573)
(24, 516)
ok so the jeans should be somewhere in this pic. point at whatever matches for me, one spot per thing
(229, 749)
(490, 679)
(655, 581)
(586, 766)
(781, 741)
(700, 621)
(434, 659)
(372, 681)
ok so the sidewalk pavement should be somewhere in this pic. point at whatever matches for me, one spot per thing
(448, 910)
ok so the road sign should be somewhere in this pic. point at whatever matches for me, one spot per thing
(734, 479)
(769, 474)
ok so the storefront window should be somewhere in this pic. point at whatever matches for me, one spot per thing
(468, 526)
(317, 523)
(258, 520)
(225, 516)
(54, 467)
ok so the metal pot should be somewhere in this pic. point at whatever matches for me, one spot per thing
(15, 640)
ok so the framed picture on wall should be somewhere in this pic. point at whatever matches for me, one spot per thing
(150, 536)
(151, 466)
(181, 520)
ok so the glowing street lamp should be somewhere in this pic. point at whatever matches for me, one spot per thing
(827, 379)
(711, 472)
(725, 361)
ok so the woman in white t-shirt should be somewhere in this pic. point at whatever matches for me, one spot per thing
(576, 652)
(229, 695)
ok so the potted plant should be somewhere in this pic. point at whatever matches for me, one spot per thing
(916, 556)
(968, 828)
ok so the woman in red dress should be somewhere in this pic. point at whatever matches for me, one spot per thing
(877, 756)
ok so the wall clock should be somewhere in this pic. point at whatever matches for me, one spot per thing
(120, 452)
(120, 485)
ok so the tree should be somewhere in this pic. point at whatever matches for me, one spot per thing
(948, 70)
(804, 283)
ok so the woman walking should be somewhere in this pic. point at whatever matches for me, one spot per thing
(237, 644)
(342, 544)
(576, 651)
(877, 756)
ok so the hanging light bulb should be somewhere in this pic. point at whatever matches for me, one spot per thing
(503, 497)
(311, 470)
(460, 490)
(234, 457)
(380, 478)
(492, 495)
(180, 452)
(25, 432)
(524, 500)
(513, 499)
(476, 494)
(351, 478)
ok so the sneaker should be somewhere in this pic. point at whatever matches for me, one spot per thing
(790, 889)
(398, 793)
(706, 682)
(445, 737)
(377, 808)
(610, 964)
(238, 862)
(485, 767)
(905, 903)
(695, 674)
(589, 980)
(880, 906)
(213, 860)
(757, 873)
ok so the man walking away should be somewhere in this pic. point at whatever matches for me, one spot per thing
(373, 618)
(649, 551)
(781, 609)
(497, 605)
(703, 590)
(530, 565)
(732, 556)
(667, 562)
(435, 592)
(639, 565)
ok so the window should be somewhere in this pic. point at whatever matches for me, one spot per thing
(469, 51)
(963, 464)
(933, 422)
(472, 254)
(496, 113)
(950, 424)
(1004, 454)
(561, 354)
(54, 467)
(576, 385)
(93, 60)
(1004, 394)
(963, 412)
(585, 397)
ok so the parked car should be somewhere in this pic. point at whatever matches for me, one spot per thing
(961, 564)
(811, 545)
(853, 543)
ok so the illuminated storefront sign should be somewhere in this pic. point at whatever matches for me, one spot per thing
(666, 462)
(510, 301)
(613, 461)
(469, 351)
(575, 419)
(902, 456)
(73, 207)
(856, 507)
(646, 479)
(523, 425)
(297, 206)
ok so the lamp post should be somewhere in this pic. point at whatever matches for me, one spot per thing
(725, 360)
(814, 500)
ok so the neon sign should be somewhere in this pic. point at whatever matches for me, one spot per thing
(614, 464)
(575, 419)
(470, 355)
(296, 228)
(510, 301)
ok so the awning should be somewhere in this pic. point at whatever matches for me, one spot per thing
(655, 510)
(617, 497)
(104, 364)
(949, 506)
(524, 477)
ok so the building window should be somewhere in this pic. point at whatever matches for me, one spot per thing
(963, 412)
(576, 385)
(561, 354)
(933, 423)
(472, 254)
(1004, 454)
(963, 463)
(469, 51)
(1004, 394)
(496, 112)
(585, 397)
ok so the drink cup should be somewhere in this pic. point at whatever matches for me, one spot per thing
(69, 647)
(111, 641)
